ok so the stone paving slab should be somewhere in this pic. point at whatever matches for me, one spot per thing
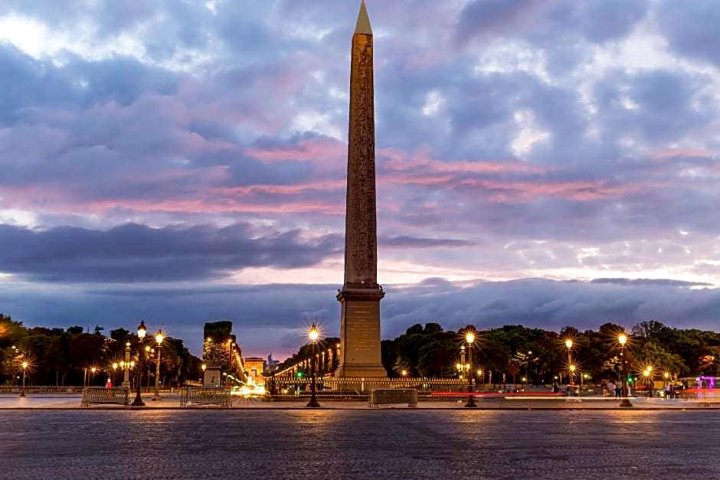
(358, 444)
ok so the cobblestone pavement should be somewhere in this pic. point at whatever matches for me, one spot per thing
(348, 444)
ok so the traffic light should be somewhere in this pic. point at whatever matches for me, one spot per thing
(299, 374)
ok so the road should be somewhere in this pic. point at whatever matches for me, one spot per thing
(348, 444)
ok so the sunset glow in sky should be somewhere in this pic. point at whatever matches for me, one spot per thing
(539, 162)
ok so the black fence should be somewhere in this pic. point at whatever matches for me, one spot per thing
(105, 396)
(205, 397)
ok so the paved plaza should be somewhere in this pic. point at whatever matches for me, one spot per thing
(172, 401)
(346, 444)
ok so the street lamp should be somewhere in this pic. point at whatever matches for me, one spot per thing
(470, 339)
(24, 365)
(313, 335)
(159, 337)
(569, 345)
(126, 373)
(141, 332)
(625, 401)
(647, 373)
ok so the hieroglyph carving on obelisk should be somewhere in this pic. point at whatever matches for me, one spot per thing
(360, 296)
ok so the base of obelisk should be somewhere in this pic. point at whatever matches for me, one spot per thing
(360, 333)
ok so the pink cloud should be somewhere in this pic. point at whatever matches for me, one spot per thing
(320, 150)
(670, 153)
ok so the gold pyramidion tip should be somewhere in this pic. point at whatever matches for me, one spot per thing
(363, 21)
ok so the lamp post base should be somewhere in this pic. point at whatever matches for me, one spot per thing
(138, 401)
(471, 402)
(625, 403)
(22, 394)
(313, 403)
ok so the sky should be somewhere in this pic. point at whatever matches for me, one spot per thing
(540, 162)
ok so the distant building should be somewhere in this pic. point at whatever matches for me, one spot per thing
(221, 352)
(254, 368)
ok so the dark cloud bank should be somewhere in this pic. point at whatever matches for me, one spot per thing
(271, 317)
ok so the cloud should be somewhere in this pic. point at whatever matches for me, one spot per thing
(186, 141)
(271, 318)
(690, 28)
(137, 253)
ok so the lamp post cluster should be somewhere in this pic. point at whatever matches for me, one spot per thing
(327, 358)
(159, 339)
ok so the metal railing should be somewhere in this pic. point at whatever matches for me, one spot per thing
(389, 396)
(40, 389)
(365, 385)
(205, 396)
(105, 396)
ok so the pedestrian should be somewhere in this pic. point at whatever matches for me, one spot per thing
(618, 390)
(610, 390)
(108, 384)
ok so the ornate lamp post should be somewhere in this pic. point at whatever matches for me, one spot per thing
(625, 401)
(141, 331)
(159, 337)
(314, 336)
(569, 345)
(126, 373)
(470, 339)
(24, 366)
(572, 369)
(647, 373)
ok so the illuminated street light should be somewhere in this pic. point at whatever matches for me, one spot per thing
(159, 337)
(141, 332)
(126, 366)
(24, 365)
(470, 339)
(647, 373)
(625, 401)
(569, 345)
(314, 336)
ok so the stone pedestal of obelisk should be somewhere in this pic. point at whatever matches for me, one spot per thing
(360, 296)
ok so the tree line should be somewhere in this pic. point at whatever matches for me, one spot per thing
(515, 353)
(66, 356)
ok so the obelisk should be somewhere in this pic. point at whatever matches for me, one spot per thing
(360, 296)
